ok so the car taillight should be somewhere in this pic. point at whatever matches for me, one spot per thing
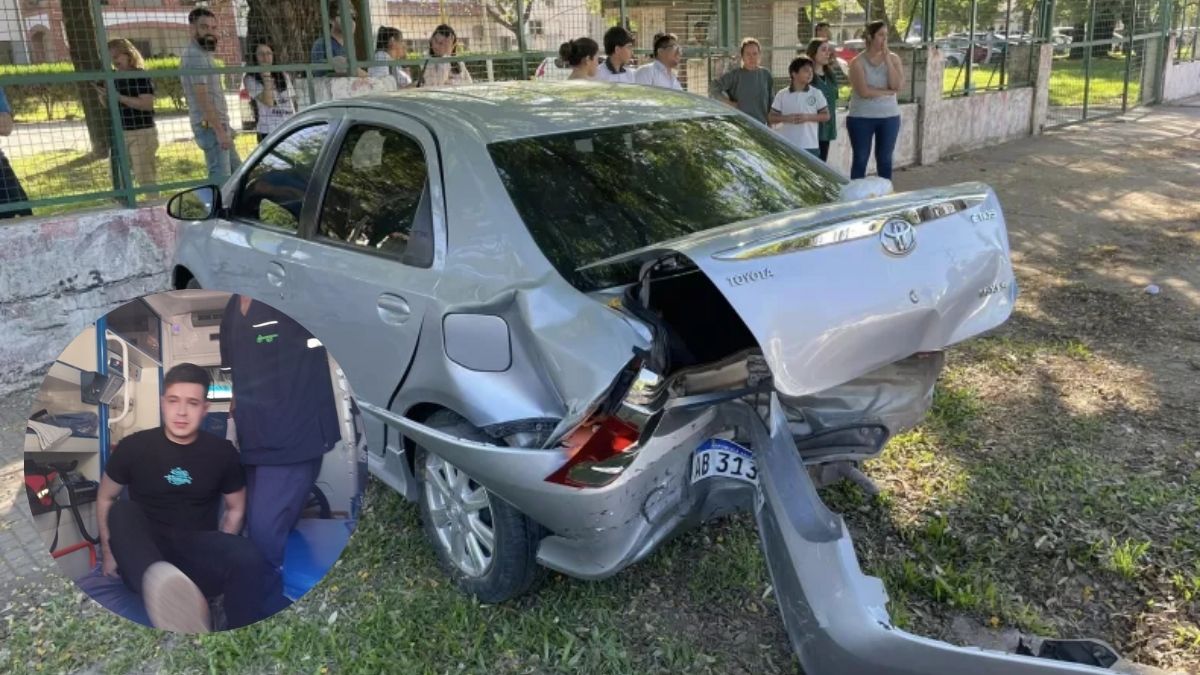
(600, 449)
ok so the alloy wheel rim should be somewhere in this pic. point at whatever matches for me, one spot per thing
(462, 516)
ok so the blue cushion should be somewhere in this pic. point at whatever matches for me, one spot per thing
(114, 595)
(313, 546)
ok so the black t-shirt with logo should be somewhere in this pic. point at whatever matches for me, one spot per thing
(132, 118)
(178, 486)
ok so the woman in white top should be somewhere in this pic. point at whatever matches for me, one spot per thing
(661, 71)
(581, 55)
(272, 93)
(442, 43)
(389, 46)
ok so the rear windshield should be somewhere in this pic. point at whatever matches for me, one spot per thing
(589, 195)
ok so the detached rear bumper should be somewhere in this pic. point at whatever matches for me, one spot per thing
(835, 615)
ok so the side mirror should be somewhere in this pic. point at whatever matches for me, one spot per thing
(199, 203)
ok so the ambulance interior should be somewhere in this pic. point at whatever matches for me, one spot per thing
(106, 385)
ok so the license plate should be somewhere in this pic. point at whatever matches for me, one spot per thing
(719, 457)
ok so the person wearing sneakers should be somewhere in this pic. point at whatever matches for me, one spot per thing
(164, 540)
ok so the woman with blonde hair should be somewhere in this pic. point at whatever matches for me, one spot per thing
(135, 97)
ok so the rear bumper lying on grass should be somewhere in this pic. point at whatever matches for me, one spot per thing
(835, 615)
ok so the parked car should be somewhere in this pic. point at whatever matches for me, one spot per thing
(959, 43)
(849, 49)
(552, 68)
(522, 330)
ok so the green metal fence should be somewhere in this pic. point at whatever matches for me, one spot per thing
(1109, 56)
(70, 150)
(1187, 31)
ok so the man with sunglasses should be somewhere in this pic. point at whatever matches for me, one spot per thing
(661, 71)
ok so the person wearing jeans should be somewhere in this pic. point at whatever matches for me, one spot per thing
(207, 109)
(875, 77)
(285, 419)
(135, 99)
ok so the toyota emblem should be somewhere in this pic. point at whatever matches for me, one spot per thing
(898, 237)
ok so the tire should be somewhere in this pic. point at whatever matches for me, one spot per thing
(512, 569)
(319, 503)
(193, 284)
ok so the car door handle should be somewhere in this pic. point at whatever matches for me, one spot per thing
(393, 309)
(276, 274)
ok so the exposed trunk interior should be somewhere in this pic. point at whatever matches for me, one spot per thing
(700, 326)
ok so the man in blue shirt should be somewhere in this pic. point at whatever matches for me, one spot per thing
(10, 187)
(285, 415)
(337, 43)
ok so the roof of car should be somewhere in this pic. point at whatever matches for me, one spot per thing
(507, 110)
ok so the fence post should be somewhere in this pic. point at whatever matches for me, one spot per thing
(1129, 33)
(364, 20)
(348, 36)
(970, 57)
(1087, 56)
(118, 152)
(521, 40)
(929, 21)
(325, 34)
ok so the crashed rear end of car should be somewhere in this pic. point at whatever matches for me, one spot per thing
(917, 273)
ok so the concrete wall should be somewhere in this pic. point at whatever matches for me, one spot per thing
(971, 122)
(59, 274)
(1180, 80)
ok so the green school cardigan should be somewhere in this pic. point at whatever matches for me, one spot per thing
(827, 131)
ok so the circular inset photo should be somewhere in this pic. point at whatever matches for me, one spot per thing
(195, 461)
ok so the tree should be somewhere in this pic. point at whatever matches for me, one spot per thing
(83, 44)
(291, 26)
(504, 13)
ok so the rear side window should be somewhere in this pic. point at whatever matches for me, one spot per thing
(587, 196)
(273, 191)
(378, 195)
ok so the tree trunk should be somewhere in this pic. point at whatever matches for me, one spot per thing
(83, 44)
(876, 10)
(291, 26)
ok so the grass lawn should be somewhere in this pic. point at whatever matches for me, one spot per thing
(1066, 81)
(66, 172)
(951, 534)
(71, 110)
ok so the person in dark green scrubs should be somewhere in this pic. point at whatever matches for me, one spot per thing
(820, 50)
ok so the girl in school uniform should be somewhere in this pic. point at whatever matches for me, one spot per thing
(799, 109)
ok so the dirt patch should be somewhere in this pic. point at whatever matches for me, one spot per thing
(1078, 506)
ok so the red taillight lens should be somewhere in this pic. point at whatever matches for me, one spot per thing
(595, 442)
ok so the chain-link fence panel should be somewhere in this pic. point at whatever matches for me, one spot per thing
(1187, 31)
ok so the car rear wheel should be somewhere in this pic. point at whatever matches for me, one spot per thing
(484, 544)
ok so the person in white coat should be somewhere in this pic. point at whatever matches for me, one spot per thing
(661, 71)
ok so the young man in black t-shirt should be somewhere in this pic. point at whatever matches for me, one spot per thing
(164, 540)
